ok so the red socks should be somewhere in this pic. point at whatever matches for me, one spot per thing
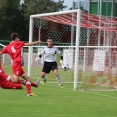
(33, 84)
(28, 87)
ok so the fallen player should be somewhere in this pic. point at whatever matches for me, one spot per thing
(7, 84)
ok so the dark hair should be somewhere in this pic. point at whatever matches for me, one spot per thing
(49, 38)
(13, 36)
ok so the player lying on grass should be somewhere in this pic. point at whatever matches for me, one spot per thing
(50, 63)
(6, 84)
(14, 50)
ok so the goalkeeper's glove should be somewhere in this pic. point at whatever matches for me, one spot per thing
(61, 62)
(37, 59)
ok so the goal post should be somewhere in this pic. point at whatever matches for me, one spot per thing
(91, 70)
(77, 40)
(30, 48)
(77, 50)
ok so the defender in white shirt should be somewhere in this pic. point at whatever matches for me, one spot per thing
(50, 63)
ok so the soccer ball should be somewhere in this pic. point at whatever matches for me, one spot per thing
(65, 67)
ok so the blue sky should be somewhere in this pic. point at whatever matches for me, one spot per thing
(67, 3)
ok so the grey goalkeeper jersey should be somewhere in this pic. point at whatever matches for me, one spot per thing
(50, 54)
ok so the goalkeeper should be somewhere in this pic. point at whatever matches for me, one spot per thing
(49, 53)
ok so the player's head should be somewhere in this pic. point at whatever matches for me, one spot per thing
(49, 42)
(14, 36)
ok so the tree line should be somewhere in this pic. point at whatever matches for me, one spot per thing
(15, 14)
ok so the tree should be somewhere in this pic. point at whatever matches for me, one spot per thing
(11, 19)
(14, 15)
(42, 6)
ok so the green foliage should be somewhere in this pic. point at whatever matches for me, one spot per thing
(11, 19)
(42, 6)
(14, 15)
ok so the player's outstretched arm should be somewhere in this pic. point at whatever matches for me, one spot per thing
(32, 43)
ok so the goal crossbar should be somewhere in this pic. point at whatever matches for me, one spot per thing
(53, 14)
(87, 20)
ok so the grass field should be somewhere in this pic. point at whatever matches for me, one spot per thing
(53, 101)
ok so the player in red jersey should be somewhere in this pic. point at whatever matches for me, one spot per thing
(14, 50)
(6, 84)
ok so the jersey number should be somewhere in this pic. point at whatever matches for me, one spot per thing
(13, 49)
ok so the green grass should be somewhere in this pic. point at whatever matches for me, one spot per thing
(53, 101)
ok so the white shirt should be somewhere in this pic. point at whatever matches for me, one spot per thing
(50, 54)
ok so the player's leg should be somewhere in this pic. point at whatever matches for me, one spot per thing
(43, 76)
(55, 70)
(17, 86)
(46, 69)
(14, 78)
(57, 77)
(28, 84)
(21, 81)
(36, 84)
(11, 85)
(18, 71)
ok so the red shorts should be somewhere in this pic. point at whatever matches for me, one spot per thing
(11, 85)
(17, 69)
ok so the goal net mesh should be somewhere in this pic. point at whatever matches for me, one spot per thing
(97, 67)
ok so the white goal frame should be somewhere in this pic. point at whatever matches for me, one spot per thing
(78, 11)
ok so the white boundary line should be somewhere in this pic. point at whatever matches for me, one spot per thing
(90, 92)
(100, 94)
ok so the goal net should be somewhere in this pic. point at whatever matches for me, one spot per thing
(88, 43)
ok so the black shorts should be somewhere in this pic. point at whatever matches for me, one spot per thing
(48, 66)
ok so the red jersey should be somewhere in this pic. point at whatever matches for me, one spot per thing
(5, 83)
(14, 50)
(3, 77)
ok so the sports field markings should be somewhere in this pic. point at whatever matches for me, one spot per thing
(101, 94)
(85, 92)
